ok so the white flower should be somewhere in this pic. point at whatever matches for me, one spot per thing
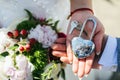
(5, 41)
(24, 70)
(2, 74)
(54, 71)
(8, 64)
(1, 48)
(44, 35)
(11, 71)
(9, 68)
(30, 68)
(21, 62)
(19, 75)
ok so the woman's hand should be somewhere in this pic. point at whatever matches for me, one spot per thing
(83, 66)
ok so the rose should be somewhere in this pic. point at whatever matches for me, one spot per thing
(11, 71)
(21, 62)
(25, 68)
(22, 70)
(8, 64)
(19, 75)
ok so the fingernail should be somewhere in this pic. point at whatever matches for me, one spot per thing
(75, 74)
(98, 53)
(71, 63)
(80, 78)
(86, 75)
(100, 67)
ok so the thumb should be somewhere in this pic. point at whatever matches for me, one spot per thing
(98, 38)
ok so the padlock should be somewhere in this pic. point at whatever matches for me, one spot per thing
(83, 48)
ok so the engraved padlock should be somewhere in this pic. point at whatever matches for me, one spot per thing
(83, 48)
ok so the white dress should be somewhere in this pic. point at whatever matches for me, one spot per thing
(12, 12)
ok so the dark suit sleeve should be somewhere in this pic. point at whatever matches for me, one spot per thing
(118, 54)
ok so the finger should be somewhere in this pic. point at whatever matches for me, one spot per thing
(59, 53)
(65, 60)
(61, 40)
(69, 48)
(89, 63)
(98, 41)
(81, 69)
(75, 64)
(69, 52)
(59, 47)
(98, 37)
(96, 65)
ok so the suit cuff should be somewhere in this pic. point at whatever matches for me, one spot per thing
(109, 55)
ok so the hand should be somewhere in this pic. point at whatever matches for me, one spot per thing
(83, 66)
(59, 49)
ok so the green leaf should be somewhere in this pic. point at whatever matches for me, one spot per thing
(30, 14)
(4, 54)
(37, 53)
(14, 47)
(54, 27)
(63, 74)
(27, 25)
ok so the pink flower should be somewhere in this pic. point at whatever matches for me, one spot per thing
(44, 35)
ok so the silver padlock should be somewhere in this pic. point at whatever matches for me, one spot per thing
(83, 48)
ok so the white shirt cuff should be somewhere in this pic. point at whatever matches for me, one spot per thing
(109, 55)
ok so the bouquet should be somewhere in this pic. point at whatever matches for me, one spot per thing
(25, 52)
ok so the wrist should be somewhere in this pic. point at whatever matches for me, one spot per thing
(75, 4)
(80, 10)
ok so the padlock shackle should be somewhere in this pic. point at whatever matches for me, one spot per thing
(94, 27)
(73, 25)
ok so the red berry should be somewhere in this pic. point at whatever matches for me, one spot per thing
(27, 47)
(21, 48)
(23, 32)
(16, 33)
(32, 41)
(61, 35)
(10, 34)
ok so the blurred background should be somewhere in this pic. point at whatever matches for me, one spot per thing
(108, 12)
